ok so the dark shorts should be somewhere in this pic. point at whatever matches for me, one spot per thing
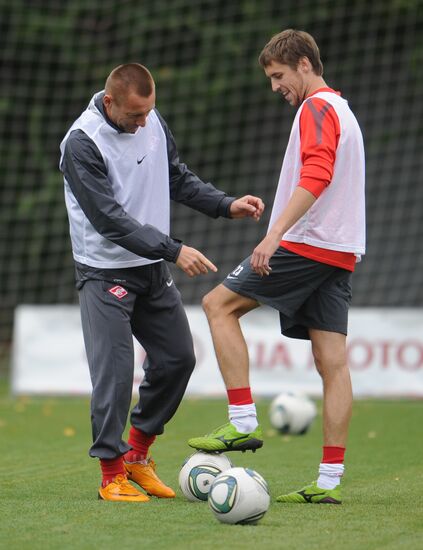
(307, 294)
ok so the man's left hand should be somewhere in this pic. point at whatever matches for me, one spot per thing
(263, 252)
(247, 206)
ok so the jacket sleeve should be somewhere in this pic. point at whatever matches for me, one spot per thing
(187, 188)
(85, 171)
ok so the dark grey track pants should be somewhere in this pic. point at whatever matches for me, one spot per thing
(154, 314)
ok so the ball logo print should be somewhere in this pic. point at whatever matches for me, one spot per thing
(239, 496)
(224, 494)
(200, 480)
(260, 480)
(199, 472)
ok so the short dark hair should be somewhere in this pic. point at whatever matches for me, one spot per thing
(129, 77)
(288, 47)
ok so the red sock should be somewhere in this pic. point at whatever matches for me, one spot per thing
(140, 443)
(333, 455)
(240, 396)
(110, 468)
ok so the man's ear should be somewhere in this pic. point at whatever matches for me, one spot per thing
(107, 100)
(304, 65)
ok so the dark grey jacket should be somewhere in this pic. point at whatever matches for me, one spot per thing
(87, 175)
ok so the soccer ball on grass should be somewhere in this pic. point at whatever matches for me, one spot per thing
(198, 473)
(239, 495)
(292, 413)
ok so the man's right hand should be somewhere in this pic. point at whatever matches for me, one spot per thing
(193, 262)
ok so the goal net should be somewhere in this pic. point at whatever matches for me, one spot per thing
(229, 127)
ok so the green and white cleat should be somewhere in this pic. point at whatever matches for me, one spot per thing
(314, 495)
(227, 438)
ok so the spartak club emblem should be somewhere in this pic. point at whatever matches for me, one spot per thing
(118, 291)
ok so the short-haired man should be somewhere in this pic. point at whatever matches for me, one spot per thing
(303, 266)
(121, 168)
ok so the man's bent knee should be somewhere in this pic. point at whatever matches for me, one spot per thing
(329, 361)
(210, 302)
(222, 302)
(329, 351)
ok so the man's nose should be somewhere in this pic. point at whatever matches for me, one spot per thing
(275, 86)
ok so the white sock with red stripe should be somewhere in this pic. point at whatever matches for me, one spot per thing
(331, 468)
(242, 410)
(330, 475)
(243, 417)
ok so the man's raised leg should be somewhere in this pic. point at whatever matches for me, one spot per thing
(224, 309)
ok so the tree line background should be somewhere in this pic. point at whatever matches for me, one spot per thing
(229, 127)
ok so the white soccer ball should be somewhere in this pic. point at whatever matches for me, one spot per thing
(198, 473)
(239, 495)
(292, 413)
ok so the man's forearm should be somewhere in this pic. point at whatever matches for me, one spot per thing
(299, 203)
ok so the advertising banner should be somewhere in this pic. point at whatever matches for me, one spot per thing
(385, 354)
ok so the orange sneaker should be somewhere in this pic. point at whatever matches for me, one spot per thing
(120, 490)
(146, 477)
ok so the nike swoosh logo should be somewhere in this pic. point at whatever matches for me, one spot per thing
(169, 283)
(140, 161)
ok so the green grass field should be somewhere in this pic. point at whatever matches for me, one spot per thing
(48, 491)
